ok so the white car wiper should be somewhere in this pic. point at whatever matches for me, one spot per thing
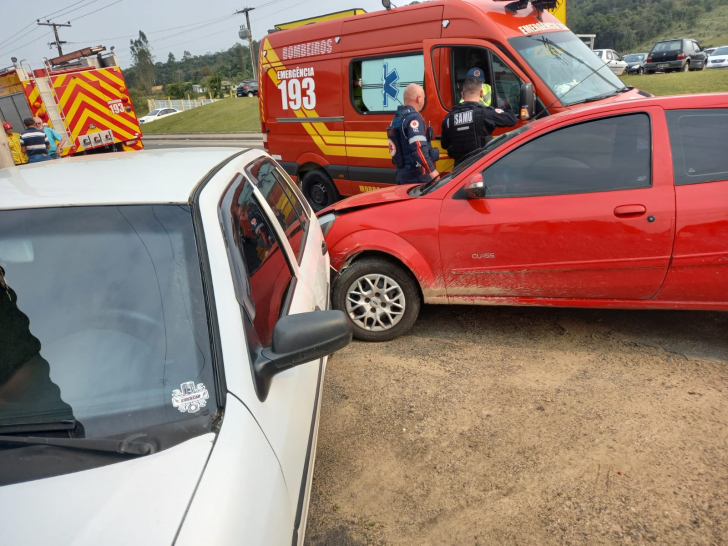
(89, 444)
(50, 426)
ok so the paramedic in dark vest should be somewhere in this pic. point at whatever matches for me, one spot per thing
(469, 124)
(409, 144)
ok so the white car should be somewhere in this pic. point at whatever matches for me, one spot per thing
(164, 339)
(719, 58)
(612, 59)
(158, 114)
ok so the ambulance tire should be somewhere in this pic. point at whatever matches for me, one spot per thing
(319, 190)
(366, 280)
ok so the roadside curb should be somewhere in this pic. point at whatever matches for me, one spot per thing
(204, 136)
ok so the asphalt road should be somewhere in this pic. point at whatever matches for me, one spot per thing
(158, 144)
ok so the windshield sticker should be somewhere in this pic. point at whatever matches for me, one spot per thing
(190, 398)
(540, 27)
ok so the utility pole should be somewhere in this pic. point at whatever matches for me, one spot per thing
(55, 26)
(249, 33)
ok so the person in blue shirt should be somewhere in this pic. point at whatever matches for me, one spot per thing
(56, 141)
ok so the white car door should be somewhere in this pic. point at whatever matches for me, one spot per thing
(273, 246)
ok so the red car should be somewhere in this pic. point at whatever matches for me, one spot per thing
(623, 205)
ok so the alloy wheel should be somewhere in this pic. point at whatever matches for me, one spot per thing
(375, 302)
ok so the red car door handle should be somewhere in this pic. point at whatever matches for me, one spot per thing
(629, 210)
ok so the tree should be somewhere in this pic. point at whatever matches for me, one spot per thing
(143, 60)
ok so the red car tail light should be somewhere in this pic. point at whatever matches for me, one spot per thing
(681, 56)
(649, 59)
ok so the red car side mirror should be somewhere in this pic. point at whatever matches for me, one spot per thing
(475, 187)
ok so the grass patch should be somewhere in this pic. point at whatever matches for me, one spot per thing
(681, 83)
(231, 114)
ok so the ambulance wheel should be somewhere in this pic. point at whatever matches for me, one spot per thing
(380, 299)
(319, 190)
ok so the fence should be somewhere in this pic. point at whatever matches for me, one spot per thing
(178, 104)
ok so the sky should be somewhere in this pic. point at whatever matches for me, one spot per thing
(198, 26)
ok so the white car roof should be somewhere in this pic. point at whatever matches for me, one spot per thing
(147, 176)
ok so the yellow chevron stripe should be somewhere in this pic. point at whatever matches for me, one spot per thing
(88, 114)
(111, 74)
(82, 99)
(81, 102)
(58, 82)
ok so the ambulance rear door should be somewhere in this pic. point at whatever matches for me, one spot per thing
(447, 62)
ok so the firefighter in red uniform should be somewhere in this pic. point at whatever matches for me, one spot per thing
(409, 144)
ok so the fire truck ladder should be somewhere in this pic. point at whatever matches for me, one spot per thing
(49, 97)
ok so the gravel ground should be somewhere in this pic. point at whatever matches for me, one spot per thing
(505, 425)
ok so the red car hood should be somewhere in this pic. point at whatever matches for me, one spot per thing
(370, 199)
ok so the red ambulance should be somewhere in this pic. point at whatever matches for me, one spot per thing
(329, 86)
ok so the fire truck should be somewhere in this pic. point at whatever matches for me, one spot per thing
(82, 95)
(329, 86)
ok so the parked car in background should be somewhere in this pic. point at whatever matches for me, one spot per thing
(719, 58)
(635, 63)
(612, 59)
(676, 56)
(180, 299)
(248, 89)
(621, 205)
(157, 114)
(709, 50)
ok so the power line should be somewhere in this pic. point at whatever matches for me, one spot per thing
(92, 12)
(21, 30)
(23, 45)
(63, 9)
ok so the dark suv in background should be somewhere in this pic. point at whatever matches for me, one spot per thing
(248, 88)
(676, 56)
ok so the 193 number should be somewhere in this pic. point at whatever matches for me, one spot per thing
(291, 93)
(117, 108)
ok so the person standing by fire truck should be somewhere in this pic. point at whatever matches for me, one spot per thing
(19, 158)
(409, 144)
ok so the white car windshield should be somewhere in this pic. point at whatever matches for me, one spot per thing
(567, 65)
(103, 320)
(721, 51)
(154, 112)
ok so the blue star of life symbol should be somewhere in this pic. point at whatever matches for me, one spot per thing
(388, 89)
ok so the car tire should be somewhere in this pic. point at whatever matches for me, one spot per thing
(251, 94)
(319, 190)
(641, 71)
(371, 320)
(686, 67)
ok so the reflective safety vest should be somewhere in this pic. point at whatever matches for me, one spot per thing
(486, 98)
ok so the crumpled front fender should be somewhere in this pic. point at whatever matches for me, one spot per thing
(386, 242)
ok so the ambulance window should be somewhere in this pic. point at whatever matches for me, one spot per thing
(377, 83)
(605, 154)
(281, 198)
(507, 85)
